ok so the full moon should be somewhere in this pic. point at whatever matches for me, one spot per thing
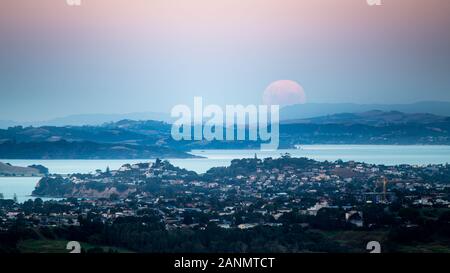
(283, 93)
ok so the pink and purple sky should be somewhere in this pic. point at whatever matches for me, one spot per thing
(118, 56)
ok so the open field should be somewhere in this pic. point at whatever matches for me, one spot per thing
(56, 246)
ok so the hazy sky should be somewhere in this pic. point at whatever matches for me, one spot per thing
(119, 56)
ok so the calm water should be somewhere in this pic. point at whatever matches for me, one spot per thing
(377, 154)
(21, 186)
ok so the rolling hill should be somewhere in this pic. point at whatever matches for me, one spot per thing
(151, 139)
(375, 118)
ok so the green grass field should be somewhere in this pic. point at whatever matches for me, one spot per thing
(352, 241)
(55, 246)
(356, 241)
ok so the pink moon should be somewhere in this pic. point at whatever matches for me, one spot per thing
(283, 93)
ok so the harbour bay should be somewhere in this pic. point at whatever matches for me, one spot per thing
(373, 154)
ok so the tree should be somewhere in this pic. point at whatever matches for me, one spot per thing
(40, 168)
(114, 197)
(2, 196)
(410, 214)
(157, 163)
(188, 220)
(15, 198)
(329, 219)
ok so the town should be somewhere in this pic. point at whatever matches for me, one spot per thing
(289, 195)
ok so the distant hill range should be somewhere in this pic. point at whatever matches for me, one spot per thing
(374, 118)
(310, 110)
(127, 139)
(89, 119)
(372, 127)
(294, 112)
(85, 150)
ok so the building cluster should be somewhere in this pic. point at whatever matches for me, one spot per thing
(248, 193)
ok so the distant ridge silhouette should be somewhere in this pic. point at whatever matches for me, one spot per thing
(311, 110)
(301, 111)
